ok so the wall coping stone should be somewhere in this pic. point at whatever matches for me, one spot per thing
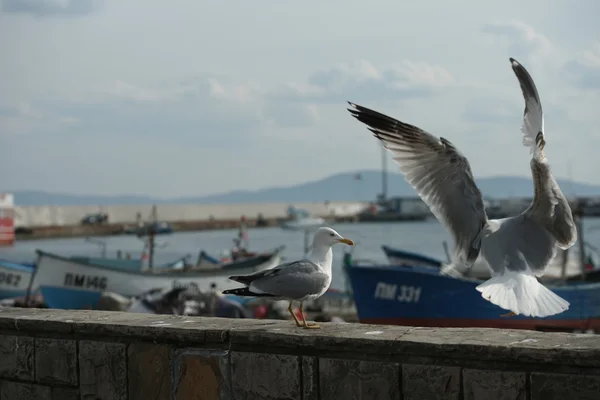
(484, 346)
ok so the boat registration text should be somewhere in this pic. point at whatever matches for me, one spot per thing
(401, 293)
(85, 281)
(9, 279)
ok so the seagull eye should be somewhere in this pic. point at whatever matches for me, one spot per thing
(331, 234)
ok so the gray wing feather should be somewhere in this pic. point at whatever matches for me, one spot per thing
(549, 208)
(292, 280)
(439, 173)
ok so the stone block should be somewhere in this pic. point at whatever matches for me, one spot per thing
(358, 380)
(564, 386)
(310, 378)
(257, 376)
(59, 393)
(24, 391)
(494, 385)
(430, 382)
(202, 375)
(56, 361)
(149, 368)
(17, 357)
(102, 370)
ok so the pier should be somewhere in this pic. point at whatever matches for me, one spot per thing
(64, 355)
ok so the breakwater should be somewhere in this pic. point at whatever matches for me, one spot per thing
(37, 222)
(40, 216)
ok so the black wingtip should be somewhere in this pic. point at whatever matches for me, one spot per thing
(514, 63)
(245, 292)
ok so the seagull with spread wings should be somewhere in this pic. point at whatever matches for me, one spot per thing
(516, 249)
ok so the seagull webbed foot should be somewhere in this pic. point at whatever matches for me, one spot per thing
(510, 314)
(306, 324)
(311, 326)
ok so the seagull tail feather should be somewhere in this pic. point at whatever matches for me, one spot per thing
(522, 294)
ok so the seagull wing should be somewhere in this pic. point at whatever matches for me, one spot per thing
(549, 208)
(292, 280)
(439, 173)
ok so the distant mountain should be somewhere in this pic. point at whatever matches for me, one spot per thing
(339, 187)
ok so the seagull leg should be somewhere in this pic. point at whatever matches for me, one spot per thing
(306, 325)
(294, 315)
(510, 314)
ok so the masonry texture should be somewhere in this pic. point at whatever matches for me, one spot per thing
(97, 355)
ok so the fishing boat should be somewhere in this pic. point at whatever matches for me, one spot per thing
(66, 283)
(160, 228)
(14, 278)
(124, 264)
(403, 257)
(422, 296)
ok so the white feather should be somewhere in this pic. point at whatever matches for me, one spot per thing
(523, 294)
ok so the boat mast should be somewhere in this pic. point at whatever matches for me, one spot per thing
(151, 234)
(383, 175)
(579, 225)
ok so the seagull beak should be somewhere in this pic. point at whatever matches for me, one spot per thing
(347, 241)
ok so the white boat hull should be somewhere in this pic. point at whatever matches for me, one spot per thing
(14, 282)
(62, 273)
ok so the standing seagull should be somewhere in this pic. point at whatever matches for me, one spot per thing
(516, 249)
(301, 281)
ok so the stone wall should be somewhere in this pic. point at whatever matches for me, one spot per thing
(72, 215)
(67, 355)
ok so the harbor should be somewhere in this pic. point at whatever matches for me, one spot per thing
(299, 201)
(371, 281)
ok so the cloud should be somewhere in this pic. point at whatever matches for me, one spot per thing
(525, 43)
(584, 72)
(219, 110)
(51, 8)
(23, 118)
(361, 79)
(492, 110)
(290, 115)
(216, 112)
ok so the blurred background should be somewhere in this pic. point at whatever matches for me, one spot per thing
(148, 149)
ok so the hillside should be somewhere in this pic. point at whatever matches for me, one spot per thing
(339, 187)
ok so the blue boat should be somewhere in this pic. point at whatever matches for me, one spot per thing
(403, 257)
(421, 296)
(480, 270)
(14, 278)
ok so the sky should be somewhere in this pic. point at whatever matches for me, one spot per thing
(189, 98)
